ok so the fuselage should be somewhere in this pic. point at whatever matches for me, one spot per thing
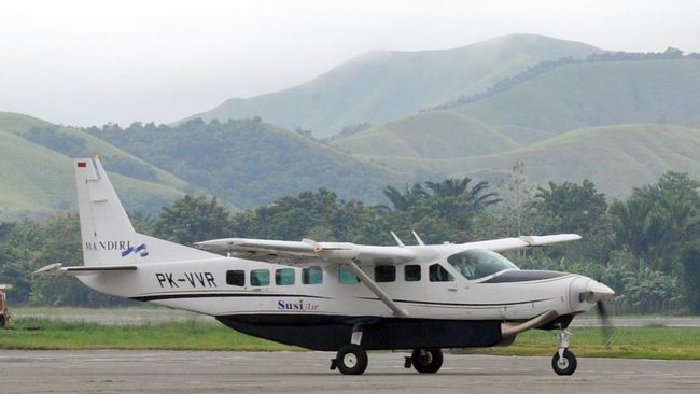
(228, 286)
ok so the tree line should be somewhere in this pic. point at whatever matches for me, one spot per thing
(646, 247)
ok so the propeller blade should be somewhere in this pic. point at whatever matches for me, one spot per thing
(606, 324)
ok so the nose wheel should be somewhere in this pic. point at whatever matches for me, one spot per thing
(564, 364)
(564, 361)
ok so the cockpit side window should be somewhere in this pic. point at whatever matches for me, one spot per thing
(439, 273)
(476, 264)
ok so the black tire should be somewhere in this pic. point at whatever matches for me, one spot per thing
(427, 360)
(566, 366)
(351, 360)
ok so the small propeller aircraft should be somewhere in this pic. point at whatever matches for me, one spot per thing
(334, 296)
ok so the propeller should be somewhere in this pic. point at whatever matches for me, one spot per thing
(608, 330)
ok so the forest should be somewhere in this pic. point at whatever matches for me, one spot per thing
(646, 247)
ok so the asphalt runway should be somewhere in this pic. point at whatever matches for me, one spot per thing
(115, 371)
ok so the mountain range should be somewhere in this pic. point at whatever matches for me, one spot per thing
(567, 110)
(381, 86)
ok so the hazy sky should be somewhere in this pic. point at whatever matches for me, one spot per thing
(87, 62)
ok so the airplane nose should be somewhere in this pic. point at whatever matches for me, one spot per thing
(596, 291)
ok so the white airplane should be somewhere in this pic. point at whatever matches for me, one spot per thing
(334, 296)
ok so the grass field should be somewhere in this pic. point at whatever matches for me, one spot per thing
(652, 342)
(42, 334)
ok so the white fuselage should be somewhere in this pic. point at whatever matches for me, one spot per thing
(201, 286)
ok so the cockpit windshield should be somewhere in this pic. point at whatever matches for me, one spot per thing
(476, 264)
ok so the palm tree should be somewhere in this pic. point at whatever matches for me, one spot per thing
(403, 201)
(457, 189)
(631, 220)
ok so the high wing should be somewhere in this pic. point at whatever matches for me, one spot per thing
(503, 244)
(308, 251)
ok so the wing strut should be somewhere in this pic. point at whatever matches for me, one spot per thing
(372, 286)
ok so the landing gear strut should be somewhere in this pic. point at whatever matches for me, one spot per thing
(425, 360)
(564, 361)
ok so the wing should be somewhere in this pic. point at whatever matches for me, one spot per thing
(308, 252)
(503, 244)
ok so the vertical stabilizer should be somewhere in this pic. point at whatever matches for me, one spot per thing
(105, 228)
(108, 236)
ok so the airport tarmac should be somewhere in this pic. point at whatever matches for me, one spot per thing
(116, 371)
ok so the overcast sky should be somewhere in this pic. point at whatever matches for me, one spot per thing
(86, 62)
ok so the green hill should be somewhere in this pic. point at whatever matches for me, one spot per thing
(381, 86)
(36, 180)
(437, 134)
(597, 93)
(616, 158)
(250, 163)
(648, 103)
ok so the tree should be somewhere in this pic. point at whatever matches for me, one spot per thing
(631, 225)
(572, 208)
(569, 207)
(17, 249)
(442, 210)
(192, 219)
(659, 218)
(62, 244)
(691, 276)
(403, 201)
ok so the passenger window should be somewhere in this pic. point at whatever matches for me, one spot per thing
(235, 277)
(284, 276)
(384, 273)
(259, 277)
(411, 273)
(312, 275)
(439, 273)
(347, 276)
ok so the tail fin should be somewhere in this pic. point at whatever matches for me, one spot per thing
(107, 234)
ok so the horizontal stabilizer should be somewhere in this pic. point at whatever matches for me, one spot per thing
(58, 269)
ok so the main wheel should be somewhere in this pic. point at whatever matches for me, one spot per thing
(427, 360)
(351, 360)
(566, 365)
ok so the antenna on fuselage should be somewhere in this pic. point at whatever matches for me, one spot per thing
(398, 240)
(420, 241)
